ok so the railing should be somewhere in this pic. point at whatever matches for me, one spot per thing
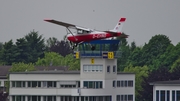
(99, 53)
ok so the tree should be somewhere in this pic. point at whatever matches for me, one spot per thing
(175, 65)
(36, 46)
(23, 50)
(9, 53)
(50, 59)
(140, 72)
(62, 47)
(135, 57)
(156, 46)
(22, 67)
(125, 52)
(54, 59)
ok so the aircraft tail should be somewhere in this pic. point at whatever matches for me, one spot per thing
(118, 27)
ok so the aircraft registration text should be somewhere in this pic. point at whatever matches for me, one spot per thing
(99, 36)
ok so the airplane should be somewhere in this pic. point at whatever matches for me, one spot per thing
(83, 34)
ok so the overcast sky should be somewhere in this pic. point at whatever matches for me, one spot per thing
(145, 18)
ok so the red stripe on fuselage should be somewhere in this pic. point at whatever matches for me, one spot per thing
(90, 37)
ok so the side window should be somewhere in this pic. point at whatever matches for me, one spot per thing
(114, 68)
(114, 83)
(108, 69)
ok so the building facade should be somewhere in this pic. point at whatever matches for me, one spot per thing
(97, 80)
(166, 90)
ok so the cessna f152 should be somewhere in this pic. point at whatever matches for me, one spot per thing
(83, 34)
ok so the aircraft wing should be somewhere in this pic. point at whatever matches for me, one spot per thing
(60, 23)
(66, 24)
(122, 35)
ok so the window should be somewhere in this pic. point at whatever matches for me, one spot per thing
(157, 95)
(124, 97)
(168, 96)
(18, 98)
(92, 68)
(118, 97)
(18, 84)
(122, 83)
(173, 95)
(114, 83)
(162, 93)
(108, 69)
(130, 97)
(114, 69)
(118, 83)
(92, 84)
(125, 83)
(178, 95)
(51, 83)
(35, 98)
(130, 83)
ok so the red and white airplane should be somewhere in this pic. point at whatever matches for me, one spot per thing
(86, 35)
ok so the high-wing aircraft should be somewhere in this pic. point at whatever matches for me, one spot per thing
(83, 34)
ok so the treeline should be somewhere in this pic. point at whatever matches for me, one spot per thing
(156, 60)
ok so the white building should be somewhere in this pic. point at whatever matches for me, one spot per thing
(97, 80)
(166, 90)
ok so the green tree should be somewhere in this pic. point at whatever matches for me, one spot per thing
(125, 52)
(140, 72)
(156, 46)
(36, 46)
(9, 53)
(175, 65)
(135, 57)
(50, 59)
(54, 59)
(22, 67)
(23, 50)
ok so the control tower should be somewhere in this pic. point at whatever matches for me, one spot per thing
(100, 63)
(98, 70)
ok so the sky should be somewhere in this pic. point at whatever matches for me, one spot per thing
(145, 18)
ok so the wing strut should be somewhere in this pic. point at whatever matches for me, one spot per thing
(72, 33)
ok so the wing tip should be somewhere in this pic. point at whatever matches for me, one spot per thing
(47, 19)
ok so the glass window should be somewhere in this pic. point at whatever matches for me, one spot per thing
(85, 67)
(118, 83)
(125, 83)
(90, 84)
(162, 95)
(13, 84)
(130, 83)
(122, 83)
(89, 68)
(97, 68)
(178, 95)
(108, 68)
(157, 95)
(118, 97)
(114, 68)
(101, 68)
(86, 84)
(168, 96)
(173, 95)
(29, 84)
(114, 82)
(93, 68)
(130, 97)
